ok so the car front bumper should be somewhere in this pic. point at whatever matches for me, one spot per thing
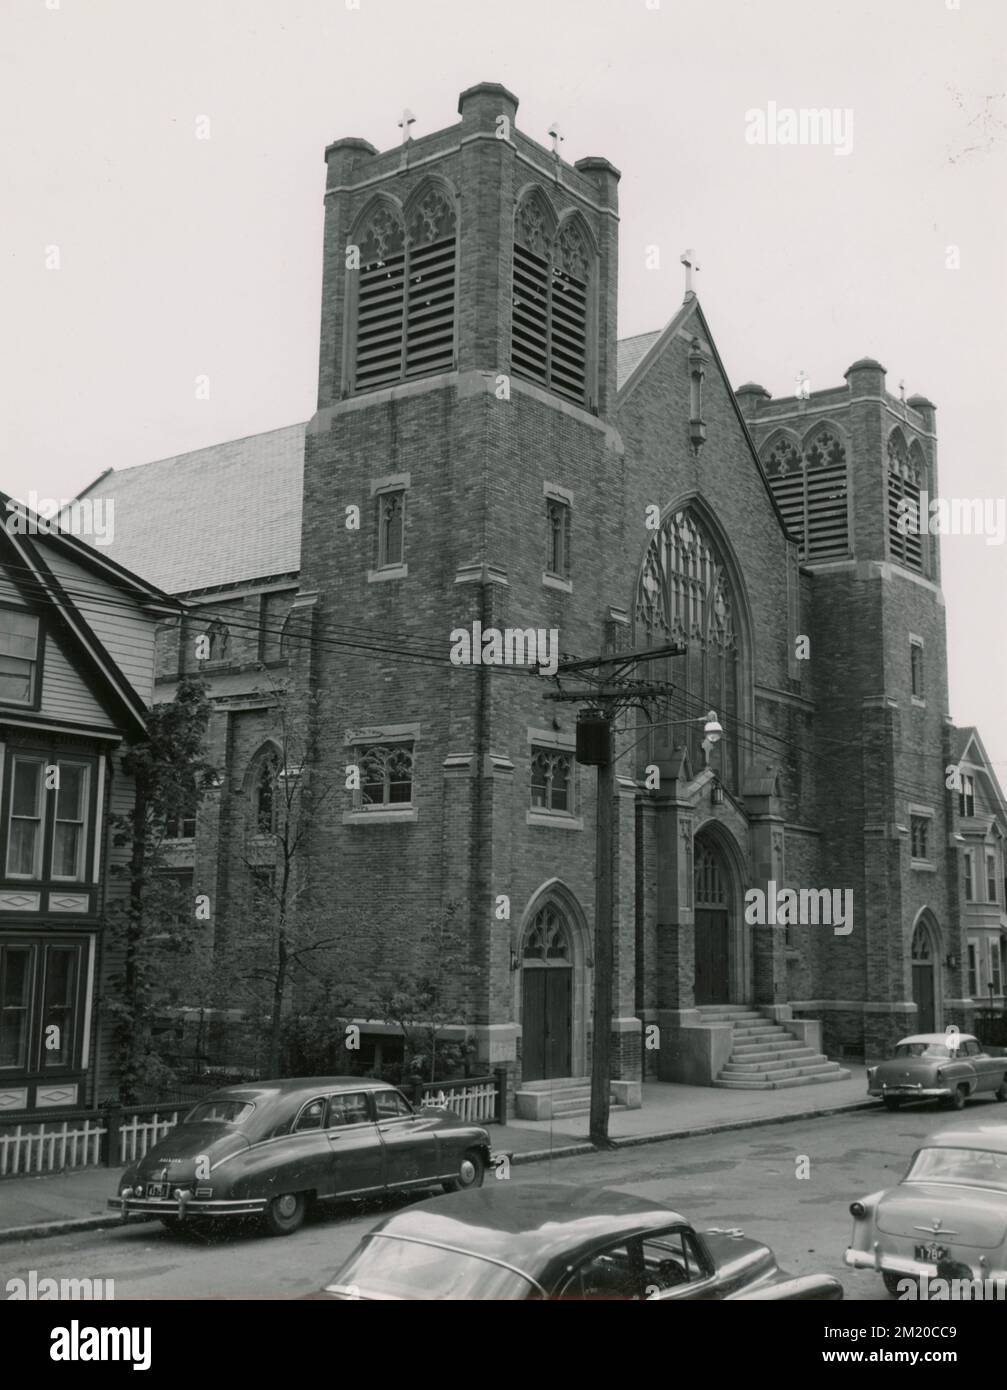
(185, 1207)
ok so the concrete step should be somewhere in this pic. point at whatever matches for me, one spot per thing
(760, 1052)
(557, 1083)
(812, 1063)
(813, 1079)
(747, 1035)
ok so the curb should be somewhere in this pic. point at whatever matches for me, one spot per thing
(68, 1226)
(632, 1140)
(575, 1150)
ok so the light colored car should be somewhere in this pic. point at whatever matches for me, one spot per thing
(949, 1211)
(938, 1066)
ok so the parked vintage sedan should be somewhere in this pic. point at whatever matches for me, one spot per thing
(516, 1240)
(270, 1148)
(938, 1066)
(948, 1212)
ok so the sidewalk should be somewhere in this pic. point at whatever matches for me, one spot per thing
(75, 1201)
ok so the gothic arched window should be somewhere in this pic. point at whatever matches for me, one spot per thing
(684, 597)
(220, 640)
(265, 792)
(906, 477)
(553, 271)
(810, 488)
(405, 298)
(548, 939)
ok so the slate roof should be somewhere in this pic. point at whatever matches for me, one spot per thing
(232, 512)
(630, 352)
(220, 515)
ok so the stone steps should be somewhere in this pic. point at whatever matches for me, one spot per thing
(565, 1096)
(766, 1056)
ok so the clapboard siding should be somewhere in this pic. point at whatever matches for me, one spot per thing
(126, 633)
(64, 693)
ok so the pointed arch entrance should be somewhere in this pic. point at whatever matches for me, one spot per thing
(925, 953)
(547, 996)
(552, 985)
(713, 904)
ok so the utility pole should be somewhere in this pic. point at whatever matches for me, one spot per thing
(613, 691)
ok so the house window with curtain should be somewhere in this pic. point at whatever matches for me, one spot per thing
(19, 656)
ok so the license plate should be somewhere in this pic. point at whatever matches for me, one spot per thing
(157, 1189)
(930, 1254)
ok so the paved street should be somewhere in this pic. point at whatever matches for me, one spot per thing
(745, 1179)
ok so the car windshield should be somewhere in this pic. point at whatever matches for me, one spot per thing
(966, 1167)
(923, 1049)
(221, 1112)
(389, 1267)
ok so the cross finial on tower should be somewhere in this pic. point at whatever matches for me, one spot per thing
(688, 259)
(407, 120)
(557, 136)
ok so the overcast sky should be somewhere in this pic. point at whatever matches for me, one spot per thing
(180, 257)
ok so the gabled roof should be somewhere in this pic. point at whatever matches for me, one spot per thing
(221, 515)
(640, 358)
(965, 740)
(24, 540)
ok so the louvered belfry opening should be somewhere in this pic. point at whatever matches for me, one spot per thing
(550, 308)
(405, 320)
(905, 479)
(810, 488)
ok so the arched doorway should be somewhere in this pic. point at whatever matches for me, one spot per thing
(924, 977)
(547, 996)
(713, 923)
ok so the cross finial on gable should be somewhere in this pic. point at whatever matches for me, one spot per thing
(688, 259)
(407, 120)
(557, 136)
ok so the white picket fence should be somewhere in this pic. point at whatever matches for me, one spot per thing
(50, 1147)
(139, 1135)
(476, 1102)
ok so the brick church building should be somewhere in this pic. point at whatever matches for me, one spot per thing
(513, 464)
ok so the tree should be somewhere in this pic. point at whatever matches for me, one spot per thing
(169, 776)
(287, 951)
(429, 999)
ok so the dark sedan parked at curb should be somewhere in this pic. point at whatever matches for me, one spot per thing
(949, 1067)
(271, 1148)
(553, 1241)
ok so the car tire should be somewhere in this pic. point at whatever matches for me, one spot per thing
(470, 1172)
(959, 1097)
(285, 1214)
(892, 1102)
(1001, 1090)
(893, 1280)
